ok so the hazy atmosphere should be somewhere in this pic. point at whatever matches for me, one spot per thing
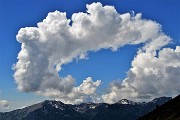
(88, 51)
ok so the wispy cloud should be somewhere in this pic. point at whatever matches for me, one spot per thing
(4, 104)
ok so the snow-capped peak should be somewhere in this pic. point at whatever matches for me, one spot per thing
(125, 101)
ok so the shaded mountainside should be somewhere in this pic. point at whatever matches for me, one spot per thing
(56, 110)
(126, 111)
(168, 111)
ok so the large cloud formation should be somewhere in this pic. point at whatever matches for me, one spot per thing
(54, 42)
(151, 75)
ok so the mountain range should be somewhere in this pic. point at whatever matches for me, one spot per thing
(56, 110)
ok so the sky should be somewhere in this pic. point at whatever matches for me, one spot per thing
(99, 51)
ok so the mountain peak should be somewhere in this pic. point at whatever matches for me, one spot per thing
(125, 101)
(52, 102)
(161, 99)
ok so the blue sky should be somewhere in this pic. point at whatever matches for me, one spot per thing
(104, 64)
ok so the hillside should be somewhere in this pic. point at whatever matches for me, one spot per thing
(168, 111)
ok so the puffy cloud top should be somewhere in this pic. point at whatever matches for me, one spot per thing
(151, 75)
(54, 42)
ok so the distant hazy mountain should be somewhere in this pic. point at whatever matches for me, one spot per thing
(56, 110)
(168, 111)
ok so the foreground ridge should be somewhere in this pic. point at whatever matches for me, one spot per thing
(168, 111)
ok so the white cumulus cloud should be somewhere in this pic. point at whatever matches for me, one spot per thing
(151, 75)
(82, 93)
(54, 42)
